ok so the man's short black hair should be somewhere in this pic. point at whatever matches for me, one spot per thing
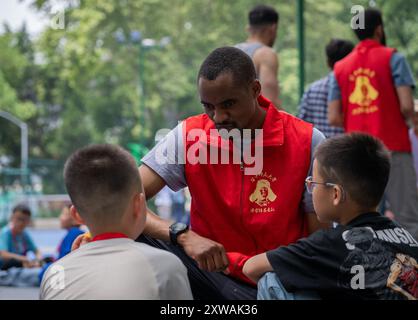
(358, 162)
(228, 59)
(21, 207)
(100, 180)
(372, 19)
(337, 49)
(262, 15)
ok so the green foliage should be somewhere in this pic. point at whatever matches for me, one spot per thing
(80, 85)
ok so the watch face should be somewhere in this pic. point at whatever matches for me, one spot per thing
(178, 227)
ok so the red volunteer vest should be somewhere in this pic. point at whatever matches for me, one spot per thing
(369, 99)
(251, 214)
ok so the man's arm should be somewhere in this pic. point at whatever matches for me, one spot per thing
(335, 113)
(268, 65)
(155, 226)
(406, 101)
(209, 254)
(257, 266)
(404, 82)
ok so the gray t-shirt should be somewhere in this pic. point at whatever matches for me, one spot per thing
(249, 47)
(172, 170)
(117, 269)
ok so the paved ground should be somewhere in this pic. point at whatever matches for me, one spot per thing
(10, 293)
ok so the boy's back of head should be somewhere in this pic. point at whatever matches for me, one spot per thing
(358, 162)
(101, 180)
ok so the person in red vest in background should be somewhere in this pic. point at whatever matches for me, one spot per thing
(372, 92)
(235, 214)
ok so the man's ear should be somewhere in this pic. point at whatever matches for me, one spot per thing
(256, 88)
(75, 215)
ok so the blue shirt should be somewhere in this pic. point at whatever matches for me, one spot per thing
(401, 74)
(20, 244)
(314, 108)
(67, 242)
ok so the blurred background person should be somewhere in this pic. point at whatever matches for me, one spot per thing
(17, 249)
(164, 203)
(20, 259)
(413, 135)
(73, 228)
(372, 92)
(263, 23)
(314, 104)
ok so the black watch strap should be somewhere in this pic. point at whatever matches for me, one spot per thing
(177, 229)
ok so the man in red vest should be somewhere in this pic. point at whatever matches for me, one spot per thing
(239, 207)
(372, 93)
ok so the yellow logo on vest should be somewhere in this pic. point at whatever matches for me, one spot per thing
(364, 94)
(263, 194)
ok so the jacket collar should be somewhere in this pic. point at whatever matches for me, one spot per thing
(367, 44)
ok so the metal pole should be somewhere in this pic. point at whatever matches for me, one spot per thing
(24, 153)
(301, 45)
(23, 138)
(142, 86)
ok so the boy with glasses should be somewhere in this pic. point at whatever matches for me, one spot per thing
(367, 256)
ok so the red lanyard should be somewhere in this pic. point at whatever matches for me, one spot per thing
(109, 235)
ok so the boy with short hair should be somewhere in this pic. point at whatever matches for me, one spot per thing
(367, 256)
(104, 185)
(15, 241)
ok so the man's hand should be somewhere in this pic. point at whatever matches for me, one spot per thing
(209, 255)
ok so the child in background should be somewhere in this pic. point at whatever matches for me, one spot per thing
(16, 245)
(68, 223)
(73, 231)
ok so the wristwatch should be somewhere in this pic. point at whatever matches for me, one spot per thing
(177, 229)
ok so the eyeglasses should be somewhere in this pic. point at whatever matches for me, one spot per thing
(311, 184)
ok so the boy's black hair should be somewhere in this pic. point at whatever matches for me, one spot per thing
(262, 15)
(358, 162)
(228, 59)
(337, 49)
(372, 19)
(21, 207)
(100, 180)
